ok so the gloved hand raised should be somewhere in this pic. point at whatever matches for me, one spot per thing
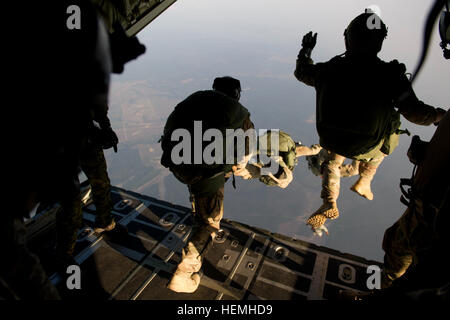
(309, 40)
(109, 138)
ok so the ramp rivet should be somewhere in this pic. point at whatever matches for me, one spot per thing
(279, 252)
(220, 235)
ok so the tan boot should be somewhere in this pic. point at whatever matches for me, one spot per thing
(109, 227)
(191, 260)
(186, 282)
(362, 187)
(367, 171)
(328, 210)
(315, 221)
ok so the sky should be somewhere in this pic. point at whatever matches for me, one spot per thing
(219, 28)
(257, 41)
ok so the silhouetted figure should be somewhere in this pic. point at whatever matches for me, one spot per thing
(420, 234)
(114, 49)
(356, 116)
(216, 109)
(416, 245)
(60, 73)
(58, 64)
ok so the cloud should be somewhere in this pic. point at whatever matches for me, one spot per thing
(311, 119)
(186, 81)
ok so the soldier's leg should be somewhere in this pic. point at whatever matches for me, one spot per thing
(69, 219)
(93, 164)
(209, 213)
(367, 171)
(330, 191)
(207, 216)
(70, 216)
(351, 169)
(398, 252)
(21, 270)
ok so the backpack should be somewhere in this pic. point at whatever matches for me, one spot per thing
(355, 108)
(215, 110)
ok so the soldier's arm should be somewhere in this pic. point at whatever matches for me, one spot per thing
(286, 176)
(100, 114)
(305, 69)
(413, 109)
(247, 125)
(240, 168)
(301, 150)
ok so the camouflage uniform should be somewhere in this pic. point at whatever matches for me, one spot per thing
(418, 240)
(54, 116)
(70, 217)
(332, 169)
(315, 162)
(207, 196)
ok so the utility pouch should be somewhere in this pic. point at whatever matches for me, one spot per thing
(417, 150)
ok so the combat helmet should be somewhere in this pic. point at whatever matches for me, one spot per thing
(444, 30)
(365, 34)
(286, 151)
(229, 86)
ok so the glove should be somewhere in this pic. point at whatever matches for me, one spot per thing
(109, 138)
(308, 43)
(309, 40)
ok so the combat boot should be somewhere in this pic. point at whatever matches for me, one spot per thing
(191, 260)
(367, 171)
(362, 187)
(316, 220)
(328, 210)
(185, 278)
(186, 282)
(100, 227)
(330, 188)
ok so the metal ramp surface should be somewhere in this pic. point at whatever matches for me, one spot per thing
(136, 260)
